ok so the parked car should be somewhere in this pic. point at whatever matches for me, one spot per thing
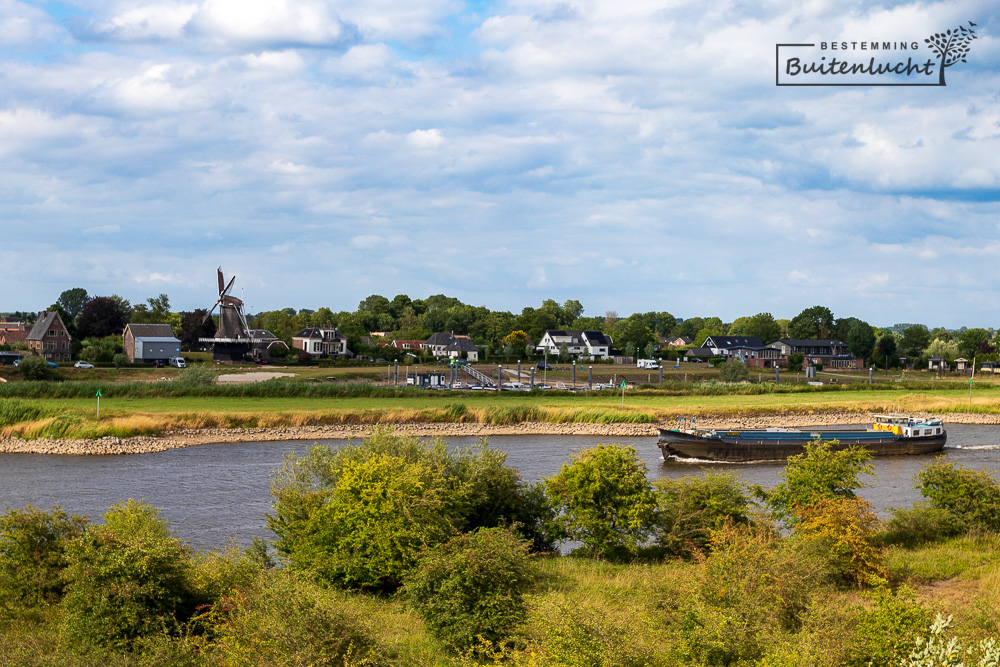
(159, 363)
(696, 360)
(474, 386)
(83, 364)
(543, 366)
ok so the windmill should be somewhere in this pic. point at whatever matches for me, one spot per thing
(232, 340)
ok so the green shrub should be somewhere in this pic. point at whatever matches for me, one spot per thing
(471, 588)
(199, 375)
(126, 579)
(753, 589)
(583, 636)
(690, 508)
(120, 360)
(847, 528)
(358, 516)
(821, 472)
(606, 501)
(33, 555)
(733, 370)
(280, 619)
(971, 496)
(936, 650)
(921, 524)
(35, 369)
(885, 631)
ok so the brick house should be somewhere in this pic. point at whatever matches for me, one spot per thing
(149, 342)
(50, 339)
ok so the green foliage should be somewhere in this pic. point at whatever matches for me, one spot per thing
(822, 471)
(971, 496)
(472, 587)
(795, 361)
(937, 650)
(359, 516)
(120, 360)
(733, 370)
(860, 339)
(886, 630)
(753, 589)
(606, 501)
(197, 375)
(125, 579)
(975, 341)
(921, 524)
(280, 619)
(35, 368)
(690, 508)
(811, 323)
(101, 349)
(584, 636)
(846, 528)
(33, 555)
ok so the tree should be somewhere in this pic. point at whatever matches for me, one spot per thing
(946, 349)
(690, 508)
(72, 301)
(822, 471)
(573, 309)
(606, 501)
(610, 320)
(975, 341)
(761, 325)
(194, 326)
(812, 323)
(951, 47)
(33, 555)
(156, 310)
(634, 331)
(795, 361)
(102, 316)
(914, 341)
(860, 339)
(886, 350)
(516, 339)
(971, 496)
(35, 368)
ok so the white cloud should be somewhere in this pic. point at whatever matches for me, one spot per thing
(425, 138)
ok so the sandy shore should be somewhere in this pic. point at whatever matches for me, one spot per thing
(187, 438)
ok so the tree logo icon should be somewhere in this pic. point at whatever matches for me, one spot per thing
(951, 47)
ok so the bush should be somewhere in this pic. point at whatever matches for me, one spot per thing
(120, 360)
(753, 589)
(35, 368)
(126, 579)
(936, 650)
(33, 555)
(971, 496)
(690, 508)
(199, 375)
(921, 524)
(821, 472)
(279, 619)
(471, 588)
(606, 501)
(847, 529)
(359, 516)
(733, 370)
(885, 632)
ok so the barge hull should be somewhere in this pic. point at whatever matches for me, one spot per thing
(745, 449)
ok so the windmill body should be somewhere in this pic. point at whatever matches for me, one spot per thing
(232, 341)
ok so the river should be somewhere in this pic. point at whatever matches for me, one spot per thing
(212, 494)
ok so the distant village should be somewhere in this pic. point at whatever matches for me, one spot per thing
(98, 329)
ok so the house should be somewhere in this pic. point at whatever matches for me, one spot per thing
(12, 324)
(263, 343)
(150, 342)
(407, 344)
(937, 364)
(698, 353)
(721, 346)
(831, 354)
(13, 336)
(451, 346)
(990, 367)
(758, 357)
(49, 338)
(322, 342)
(579, 343)
(961, 364)
(680, 341)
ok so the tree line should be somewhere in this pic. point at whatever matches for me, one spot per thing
(94, 321)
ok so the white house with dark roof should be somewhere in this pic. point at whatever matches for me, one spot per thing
(724, 346)
(452, 346)
(322, 342)
(579, 343)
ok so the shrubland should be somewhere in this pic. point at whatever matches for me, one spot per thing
(396, 551)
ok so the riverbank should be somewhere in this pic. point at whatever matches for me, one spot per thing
(191, 437)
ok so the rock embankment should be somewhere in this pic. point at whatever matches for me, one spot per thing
(189, 437)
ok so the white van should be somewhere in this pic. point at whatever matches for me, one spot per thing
(647, 363)
(177, 362)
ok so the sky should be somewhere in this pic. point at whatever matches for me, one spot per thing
(635, 156)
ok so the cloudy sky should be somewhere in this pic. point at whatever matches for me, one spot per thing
(635, 156)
